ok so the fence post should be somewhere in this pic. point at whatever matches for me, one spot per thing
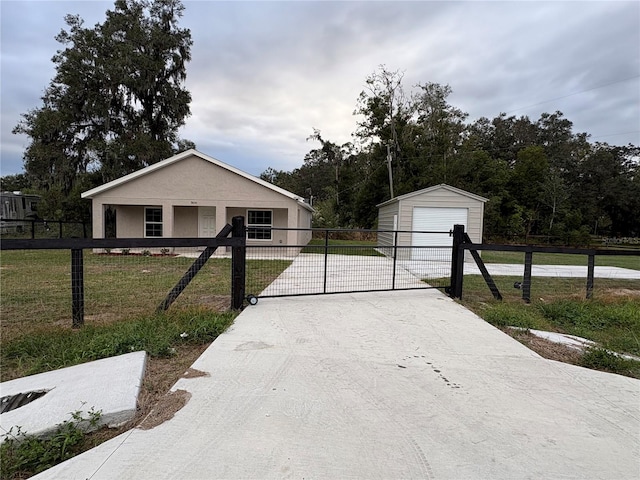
(590, 273)
(526, 283)
(238, 264)
(395, 259)
(457, 262)
(77, 287)
(326, 255)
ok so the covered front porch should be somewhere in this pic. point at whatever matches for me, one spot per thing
(265, 226)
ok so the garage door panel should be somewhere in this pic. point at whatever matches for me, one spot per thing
(435, 219)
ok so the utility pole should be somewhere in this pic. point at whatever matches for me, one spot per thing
(389, 166)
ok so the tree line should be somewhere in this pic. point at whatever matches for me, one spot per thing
(540, 177)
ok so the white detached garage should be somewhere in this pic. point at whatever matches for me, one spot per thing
(436, 210)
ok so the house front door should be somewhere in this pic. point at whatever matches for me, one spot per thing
(207, 222)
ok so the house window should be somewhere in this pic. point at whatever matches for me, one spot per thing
(153, 221)
(259, 223)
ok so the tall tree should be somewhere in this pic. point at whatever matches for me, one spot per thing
(608, 193)
(540, 177)
(117, 99)
(528, 178)
(383, 106)
(439, 133)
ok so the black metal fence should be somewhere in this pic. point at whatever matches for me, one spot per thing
(462, 243)
(308, 262)
(136, 261)
(333, 261)
(39, 228)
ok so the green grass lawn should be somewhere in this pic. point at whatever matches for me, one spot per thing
(343, 247)
(122, 293)
(632, 262)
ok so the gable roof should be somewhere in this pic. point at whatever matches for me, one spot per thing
(431, 189)
(182, 155)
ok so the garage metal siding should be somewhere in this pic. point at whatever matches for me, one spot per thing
(385, 222)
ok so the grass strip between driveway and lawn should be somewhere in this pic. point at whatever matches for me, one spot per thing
(160, 335)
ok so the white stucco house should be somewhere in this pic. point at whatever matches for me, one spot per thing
(194, 195)
(433, 209)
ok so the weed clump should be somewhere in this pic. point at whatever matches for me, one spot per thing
(23, 455)
(606, 361)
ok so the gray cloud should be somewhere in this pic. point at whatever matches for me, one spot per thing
(264, 74)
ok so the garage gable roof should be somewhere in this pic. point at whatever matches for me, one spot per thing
(180, 156)
(432, 189)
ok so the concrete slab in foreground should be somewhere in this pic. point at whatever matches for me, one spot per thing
(379, 385)
(110, 385)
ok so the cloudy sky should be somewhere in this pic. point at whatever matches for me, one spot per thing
(264, 74)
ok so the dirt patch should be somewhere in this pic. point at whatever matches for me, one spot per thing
(165, 409)
(545, 348)
(161, 374)
(621, 292)
(217, 302)
(194, 373)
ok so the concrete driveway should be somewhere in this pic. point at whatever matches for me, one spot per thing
(384, 385)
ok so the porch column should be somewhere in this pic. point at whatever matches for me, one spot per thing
(292, 222)
(221, 217)
(167, 220)
(97, 226)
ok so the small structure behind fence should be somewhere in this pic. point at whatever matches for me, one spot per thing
(16, 209)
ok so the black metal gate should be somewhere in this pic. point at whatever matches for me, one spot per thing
(346, 261)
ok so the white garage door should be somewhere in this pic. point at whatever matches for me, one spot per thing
(435, 219)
